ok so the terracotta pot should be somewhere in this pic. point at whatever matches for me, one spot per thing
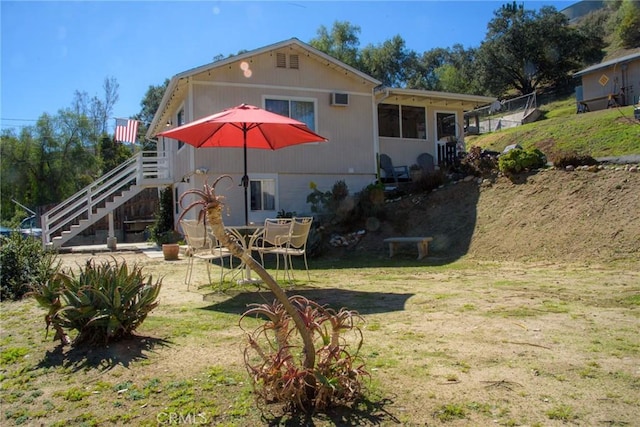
(170, 251)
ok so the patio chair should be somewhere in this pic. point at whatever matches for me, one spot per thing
(203, 245)
(272, 239)
(393, 172)
(425, 161)
(297, 245)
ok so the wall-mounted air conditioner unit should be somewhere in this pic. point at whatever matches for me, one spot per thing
(339, 99)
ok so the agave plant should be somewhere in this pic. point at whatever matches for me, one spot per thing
(103, 302)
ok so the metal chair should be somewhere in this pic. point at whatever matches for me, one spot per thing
(202, 244)
(297, 245)
(272, 239)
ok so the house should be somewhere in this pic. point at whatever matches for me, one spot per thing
(360, 118)
(358, 115)
(611, 83)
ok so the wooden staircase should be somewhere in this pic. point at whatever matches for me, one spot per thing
(80, 211)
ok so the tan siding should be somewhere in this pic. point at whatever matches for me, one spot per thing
(592, 88)
(349, 155)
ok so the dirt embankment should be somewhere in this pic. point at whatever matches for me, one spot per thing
(552, 215)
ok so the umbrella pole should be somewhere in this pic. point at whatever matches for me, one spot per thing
(245, 179)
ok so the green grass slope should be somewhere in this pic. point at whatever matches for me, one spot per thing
(560, 132)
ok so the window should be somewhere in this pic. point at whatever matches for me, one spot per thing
(263, 194)
(446, 125)
(402, 121)
(413, 122)
(303, 111)
(180, 122)
(389, 120)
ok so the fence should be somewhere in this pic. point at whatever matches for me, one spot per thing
(500, 114)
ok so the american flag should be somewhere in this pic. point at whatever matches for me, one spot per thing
(126, 130)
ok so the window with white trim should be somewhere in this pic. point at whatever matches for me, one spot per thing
(263, 194)
(402, 121)
(297, 109)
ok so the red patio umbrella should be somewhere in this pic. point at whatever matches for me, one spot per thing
(244, 126)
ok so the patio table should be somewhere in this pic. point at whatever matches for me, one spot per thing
(246, 236)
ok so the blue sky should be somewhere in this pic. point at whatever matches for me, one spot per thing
(51, 49)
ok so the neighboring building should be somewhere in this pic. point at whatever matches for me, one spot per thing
(360, 118)
(611, 83)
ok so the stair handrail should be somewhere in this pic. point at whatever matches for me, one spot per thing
(131, 172)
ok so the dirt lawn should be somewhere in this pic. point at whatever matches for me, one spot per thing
(526, 312)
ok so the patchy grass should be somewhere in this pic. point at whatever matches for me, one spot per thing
(468, 343)
(612, 132)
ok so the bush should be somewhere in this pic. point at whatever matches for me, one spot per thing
(329, 202)
(162, 230)
(574, 160)
(23, 263)
(371, 202)
(517, 160)
(103, 303)
(430, 181)
(479, 162)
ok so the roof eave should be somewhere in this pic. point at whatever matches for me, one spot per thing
(471, 100)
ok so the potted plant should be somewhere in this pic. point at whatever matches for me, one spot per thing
(416, 172)
(162, 231)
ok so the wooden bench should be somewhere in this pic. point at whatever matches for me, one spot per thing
(423, 244)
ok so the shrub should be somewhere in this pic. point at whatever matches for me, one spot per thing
(23, 263)
(328, 202)
(371, 201)
(162, 230)
(103, 302)
(563, 161)
(274, 352)
(517, 160)
(479, 162)
(430, 181)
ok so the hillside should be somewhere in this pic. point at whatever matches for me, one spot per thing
(612, 132)
(551, 215)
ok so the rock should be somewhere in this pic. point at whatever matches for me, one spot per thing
(569, 168)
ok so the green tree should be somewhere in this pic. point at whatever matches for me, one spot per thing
(60, 154)
(112, 153)
(390, 62)
(341, 42)
(98, 111)
(149, 105)
(459, 73)
(628, 17)
(525, 50)
(429, 62)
